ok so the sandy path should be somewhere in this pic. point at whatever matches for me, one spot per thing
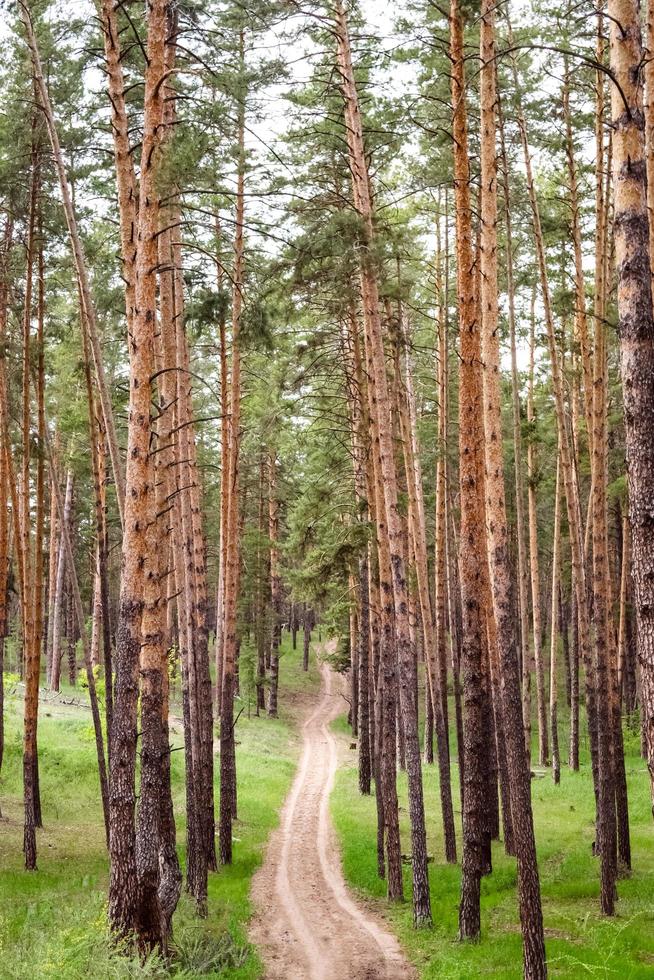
(307, 925)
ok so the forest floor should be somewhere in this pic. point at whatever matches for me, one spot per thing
(580, 943)
(52, 922)
(307, 926)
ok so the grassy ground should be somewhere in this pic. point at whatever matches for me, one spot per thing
(52, 922)
(580, 943)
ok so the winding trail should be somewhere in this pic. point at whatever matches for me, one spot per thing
(307, 925)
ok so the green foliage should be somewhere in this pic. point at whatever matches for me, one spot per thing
(197, 956)
(303, 241)
(247, 675)
(82, 681)
(86, 949)
(340, 660)
(256, 325)
(208, 308)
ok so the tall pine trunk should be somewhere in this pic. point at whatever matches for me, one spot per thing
(472, 552)
(631, 180)
(406, 658)
(4, 474)
(78, 614)
(531, 917)
(384, 670)
(568, 473)
(533, 553)
(418, 532)
(31, 650)
(554, 636)
(275, 586)
(231, 486)
(522, 569)
(79, 257)
(606, 826)
(131, 894)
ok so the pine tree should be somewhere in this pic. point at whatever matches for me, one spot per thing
(636, 325)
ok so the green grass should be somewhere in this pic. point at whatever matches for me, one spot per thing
(52, 922)
(580, 943)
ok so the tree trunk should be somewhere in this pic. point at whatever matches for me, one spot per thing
(101, 624)
(565, 639)
(78, 256)
(354, 660)
(30, 639)
(96, 611)
(307, 626)
(622, 808)
(523, 574)
(58, 604)
(385, 670)
(170, 487)
(428, 730)
(440, 542)
(157, 864)
(472, 550)
(432, 653)
(67, 547)
(132, 896)
(4, 576)
(4, 474)
(567, 465)
(636, 325)
(53, 555)
(276, 588)
(39, 526)
(580, 319)
(231, 486)
(294, 625)
(224, 516)
(365, 761)
(360, 438)
(533, 553)
(71, 637)
(387, 473)
(103, 559)
(648, 72)
(171, 313)
(606, 825)
(262, 584)
(455, 625)
(494, 760)
(201, 811)
(627, 682)
(197, 575)
(554, 638)
(574, 690)
(531, 917)
(125, 177)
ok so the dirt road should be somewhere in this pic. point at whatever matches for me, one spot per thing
(307, 925)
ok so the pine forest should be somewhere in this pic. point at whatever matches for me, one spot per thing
(326, 489)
